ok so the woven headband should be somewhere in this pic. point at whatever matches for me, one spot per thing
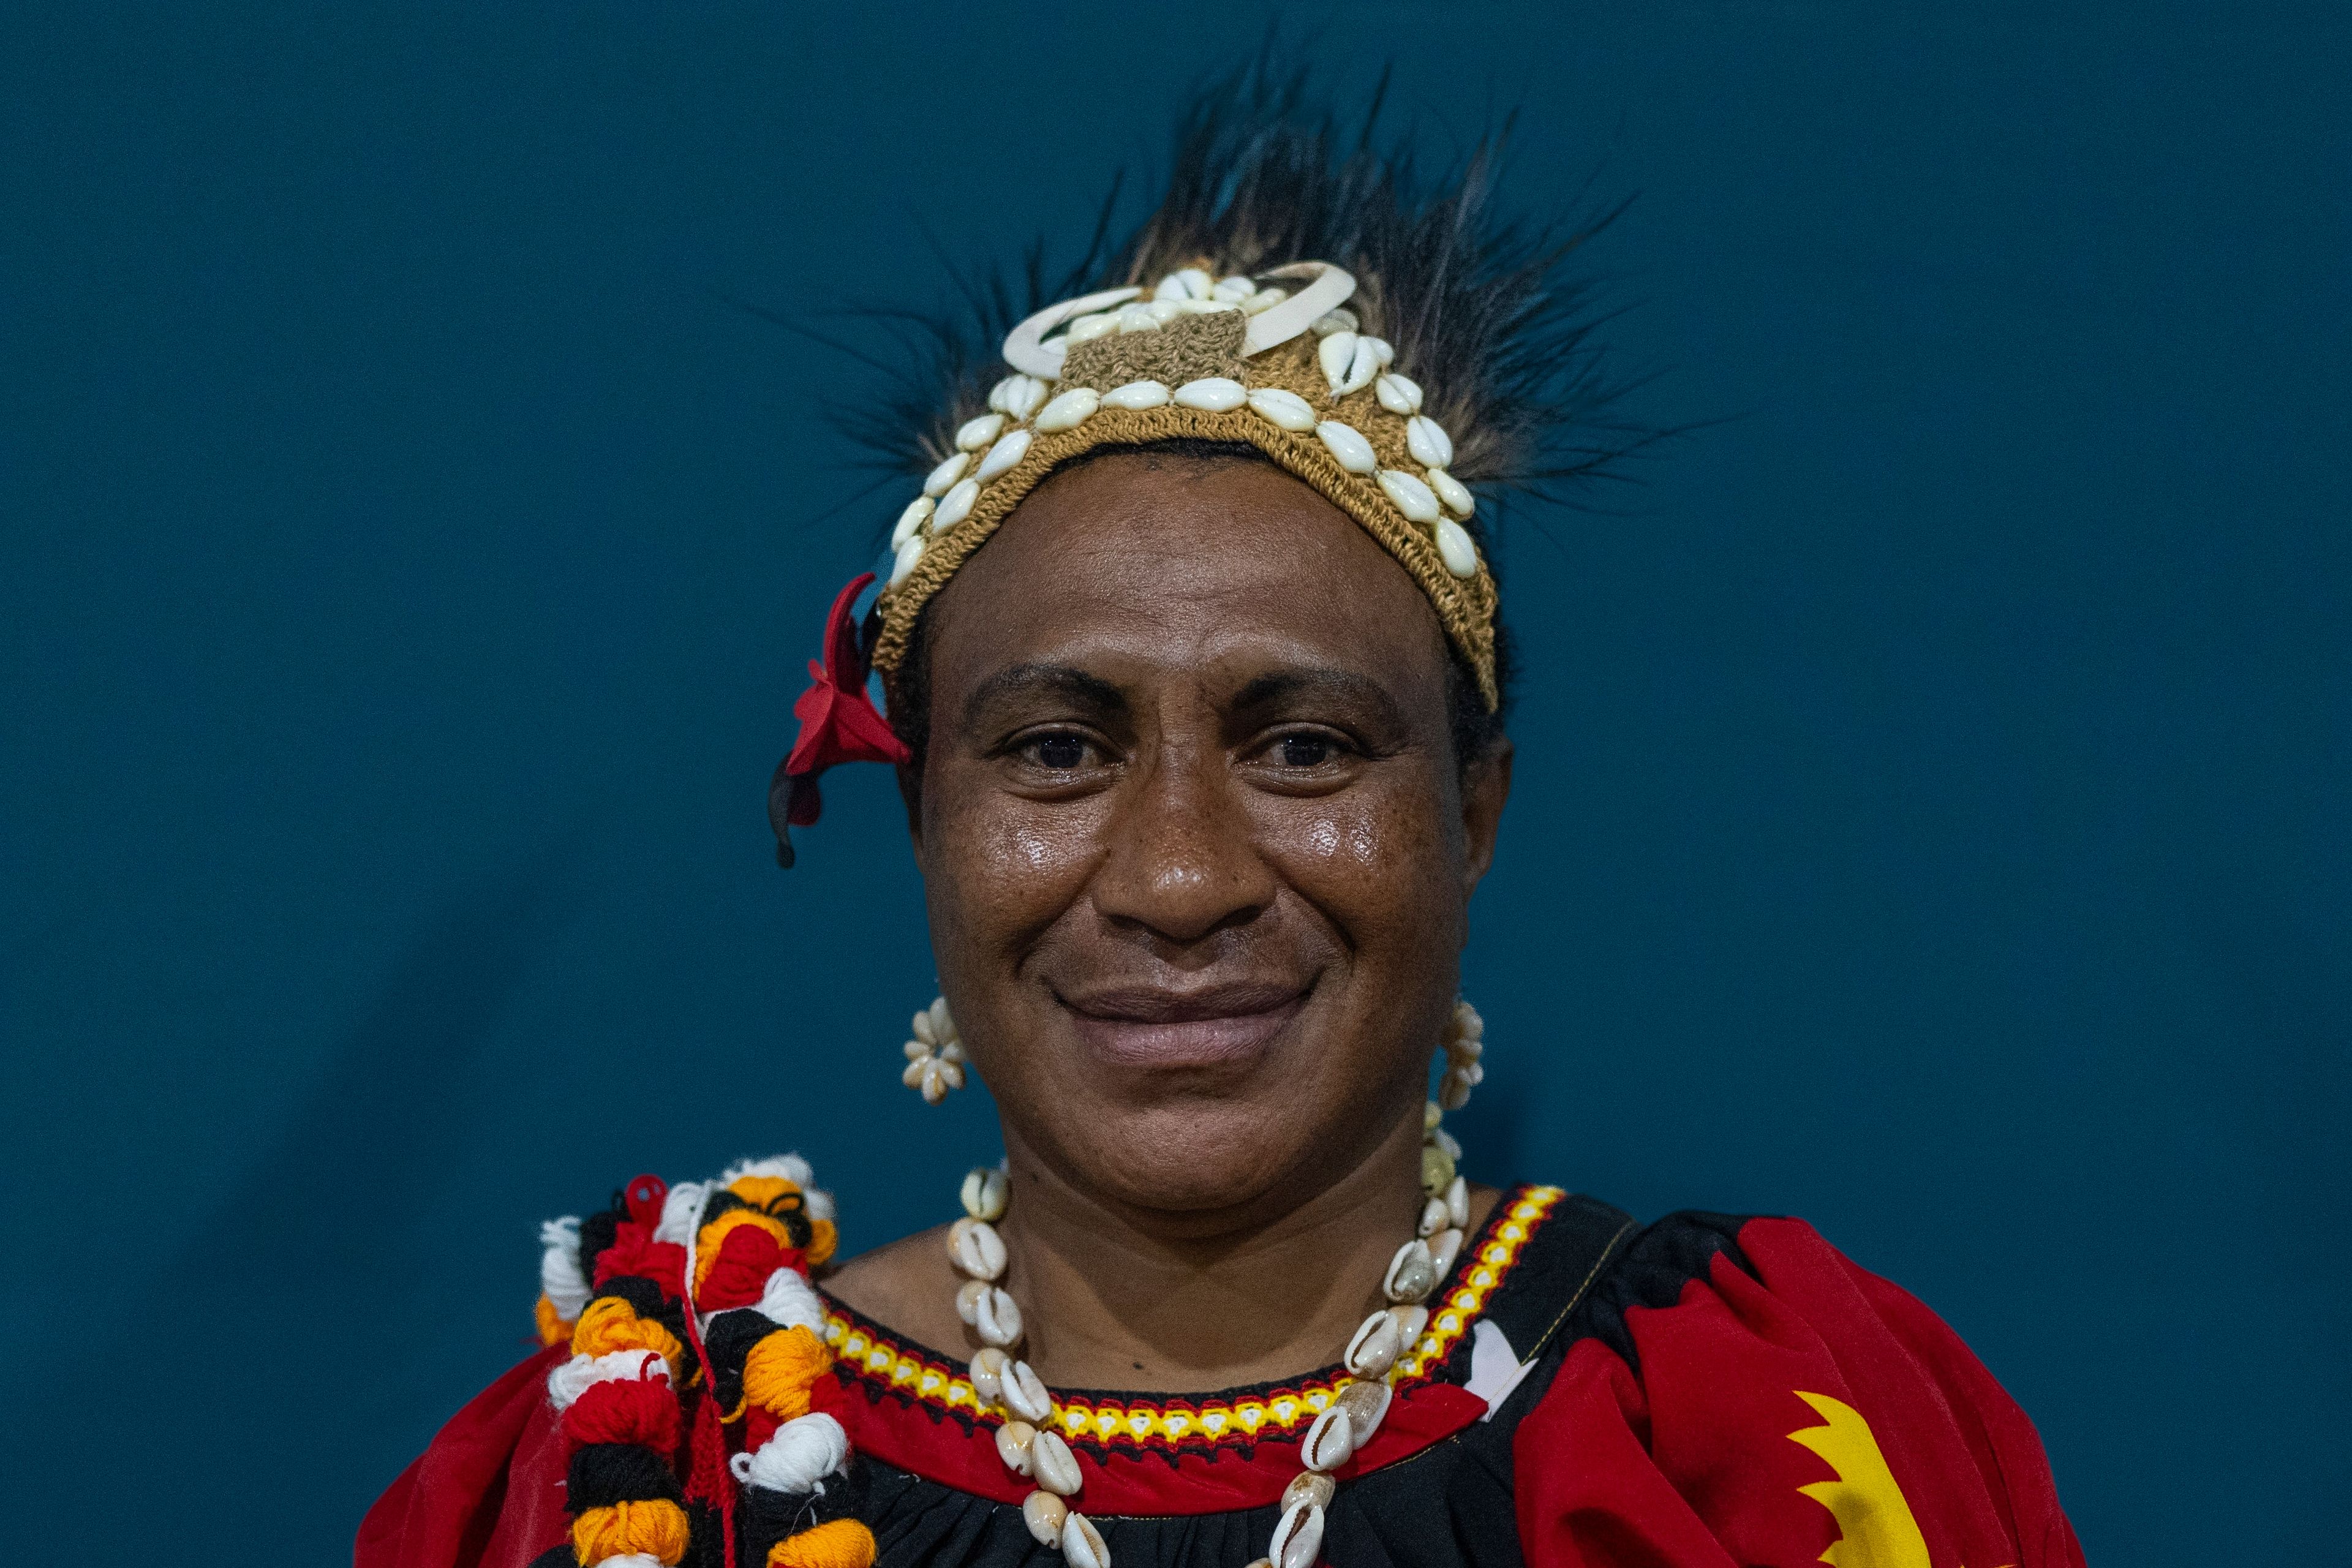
(1238, 359)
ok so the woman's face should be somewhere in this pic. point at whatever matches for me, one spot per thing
(1196, 850)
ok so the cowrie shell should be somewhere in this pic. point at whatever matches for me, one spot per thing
(910, 552)
(1338, 319)
(1426, 439)
(1003, 455)
(1215, 394)
(1284, 409)
(1136, 395)
(943, 477)
(1457, 1202)
(1052, 1464)
(978, 432)
(997, 1320)
(1398, 395)
(1298, 1538)
(1086, 329)
(1411, 1273)
(1374, 1347)
(1414, 499)
(986, 1193)
(1013, 1441)
(1138, 318)
(1162, 312)
(1443, 1248)
(1025, 1394)
(1460, 503)
(1329, 1442)
(1383, 352)
(955, 506)
(1366, 1403)
(1170, 287)
(1353, 452)
(1234, 290)
(1307, 1487)
(1264, 300)
(1017, 396)
(1460, 555)
(1069, 409)
(939, 1077)
(1082, 1543)
(1195, 283)
(976, 1247)
(910, 521)
(988, 1369)
(1337, 356)
(1433, 1218)
(968, 1295)
(1410, 1320)
(1362, 365)
(1043, 1513)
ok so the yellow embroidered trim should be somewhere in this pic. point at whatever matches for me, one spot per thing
(1282, 1411)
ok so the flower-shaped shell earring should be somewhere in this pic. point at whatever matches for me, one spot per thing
(934, 1057)
(1464, 1042)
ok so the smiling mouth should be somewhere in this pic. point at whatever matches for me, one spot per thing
(1146, 1026)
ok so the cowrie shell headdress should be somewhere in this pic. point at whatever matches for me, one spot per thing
(1275, 358)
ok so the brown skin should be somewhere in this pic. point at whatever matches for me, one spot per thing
(1198, 859)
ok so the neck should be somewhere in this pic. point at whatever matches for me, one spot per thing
(1118, 1297)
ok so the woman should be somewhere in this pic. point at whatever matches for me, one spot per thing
(1203, 759)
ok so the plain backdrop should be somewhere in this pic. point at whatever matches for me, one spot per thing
(1931, 794)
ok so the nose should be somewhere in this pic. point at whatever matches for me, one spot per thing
(1182, 862)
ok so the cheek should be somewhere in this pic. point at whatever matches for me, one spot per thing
(998, 870)
(1378, 863)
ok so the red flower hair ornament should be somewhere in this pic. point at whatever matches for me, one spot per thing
(838, 724)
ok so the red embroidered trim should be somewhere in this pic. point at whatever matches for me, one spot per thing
(1202, 1424)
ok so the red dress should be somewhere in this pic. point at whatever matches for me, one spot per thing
(1704, 1391)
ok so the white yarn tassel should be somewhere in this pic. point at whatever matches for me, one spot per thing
(788, 1301)
(558, 1267)
(792, 1167)
(680, 1210)
(575, 1377)
(803, 1451)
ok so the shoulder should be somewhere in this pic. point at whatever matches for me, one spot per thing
(1715, 1345)
(683, 1342)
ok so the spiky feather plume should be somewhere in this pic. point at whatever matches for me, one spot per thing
(1478, 305)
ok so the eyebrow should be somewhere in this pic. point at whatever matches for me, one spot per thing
(1035, 680)
(1319, 681)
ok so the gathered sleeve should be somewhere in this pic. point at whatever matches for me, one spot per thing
(1743, 1396)
(488, 1492)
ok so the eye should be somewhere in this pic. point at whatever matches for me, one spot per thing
(1305, 751)
(1060, 751)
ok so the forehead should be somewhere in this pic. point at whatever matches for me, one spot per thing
(1143, 566)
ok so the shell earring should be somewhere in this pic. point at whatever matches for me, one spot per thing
(1464, 1042)
(935, 1056)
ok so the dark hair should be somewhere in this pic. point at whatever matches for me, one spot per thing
(1474, 730)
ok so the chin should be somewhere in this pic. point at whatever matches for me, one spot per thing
(1186, 1157)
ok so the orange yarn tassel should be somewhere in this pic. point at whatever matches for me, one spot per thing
(839, 1543)
(655, 1527)
(780, 1369)
(609, 1323)
(551, 1328)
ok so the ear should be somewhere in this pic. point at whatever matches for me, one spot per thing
(1485, 788)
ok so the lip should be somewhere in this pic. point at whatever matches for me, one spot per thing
(1154, 1027)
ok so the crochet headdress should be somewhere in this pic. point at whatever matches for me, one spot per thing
(1405, 351)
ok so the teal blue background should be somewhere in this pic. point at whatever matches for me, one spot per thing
(1931, 803)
